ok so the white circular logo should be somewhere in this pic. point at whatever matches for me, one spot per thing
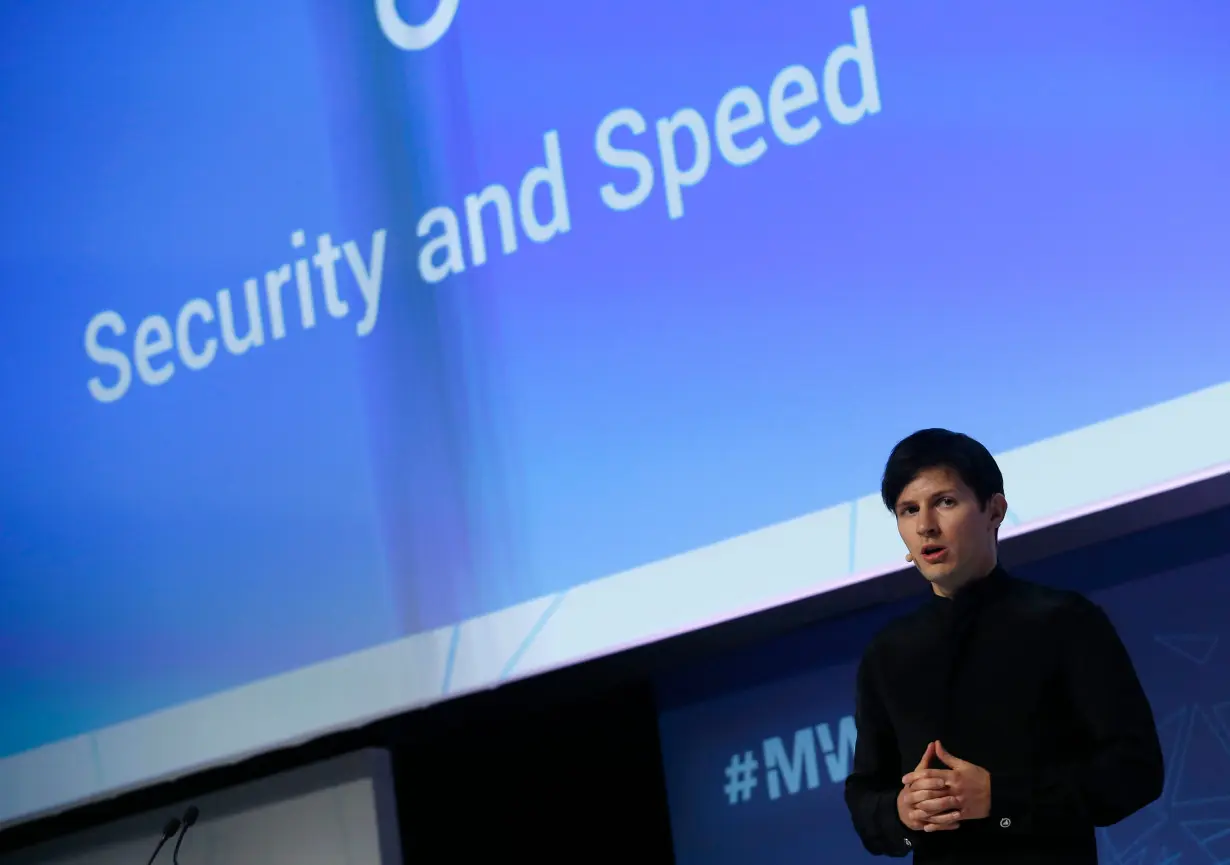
(1005, 823)
(415, 37)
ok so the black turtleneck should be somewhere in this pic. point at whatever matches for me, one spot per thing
(1030, 683)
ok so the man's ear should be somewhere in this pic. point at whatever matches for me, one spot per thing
(998, 506)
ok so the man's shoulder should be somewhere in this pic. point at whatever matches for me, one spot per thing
(1035, 600)
(907, 627)
(1043, 600)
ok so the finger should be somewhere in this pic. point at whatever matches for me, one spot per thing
(913, 797)
(946, 758)
(944, 775)
(928, 783)
(943, 804)
(926, 757)
(932, 822)
(941, 827)
(945, 818)
(918, 774)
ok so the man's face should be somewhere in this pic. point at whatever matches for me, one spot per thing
(950, 537)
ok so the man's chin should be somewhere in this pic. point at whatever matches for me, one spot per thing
(941, 573)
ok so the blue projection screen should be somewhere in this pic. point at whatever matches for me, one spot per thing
(757, 746)
(362, 354)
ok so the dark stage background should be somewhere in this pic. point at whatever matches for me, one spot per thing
(756, 747)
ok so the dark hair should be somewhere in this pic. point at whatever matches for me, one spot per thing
(940, 448)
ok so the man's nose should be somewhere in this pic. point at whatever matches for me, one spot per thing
(926, 524)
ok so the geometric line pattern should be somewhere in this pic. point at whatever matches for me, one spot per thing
(1197, 648)
(1203, 764)
(1211, 836)
(853, 558)
(511, 665)
(1190, 821)
(1222, 713)
(453, 642)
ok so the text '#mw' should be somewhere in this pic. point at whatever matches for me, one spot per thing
(787, 772)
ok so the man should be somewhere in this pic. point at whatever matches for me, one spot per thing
(1002, 721)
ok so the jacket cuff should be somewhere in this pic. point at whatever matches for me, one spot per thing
(1011, 804)
(898, 840)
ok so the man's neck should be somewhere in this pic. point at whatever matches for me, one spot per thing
(951, 589)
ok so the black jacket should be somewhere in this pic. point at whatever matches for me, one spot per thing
(1030, 683)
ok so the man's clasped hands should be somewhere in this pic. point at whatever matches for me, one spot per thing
(938, 800)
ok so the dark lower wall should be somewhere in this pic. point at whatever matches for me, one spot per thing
(579, 782)
(561, 769)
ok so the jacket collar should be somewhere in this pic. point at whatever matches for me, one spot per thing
(976, 593)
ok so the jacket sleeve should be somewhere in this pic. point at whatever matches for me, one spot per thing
(873, 785)
(1121, 771)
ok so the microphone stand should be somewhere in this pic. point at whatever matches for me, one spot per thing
(188, 821)
(171, 827)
